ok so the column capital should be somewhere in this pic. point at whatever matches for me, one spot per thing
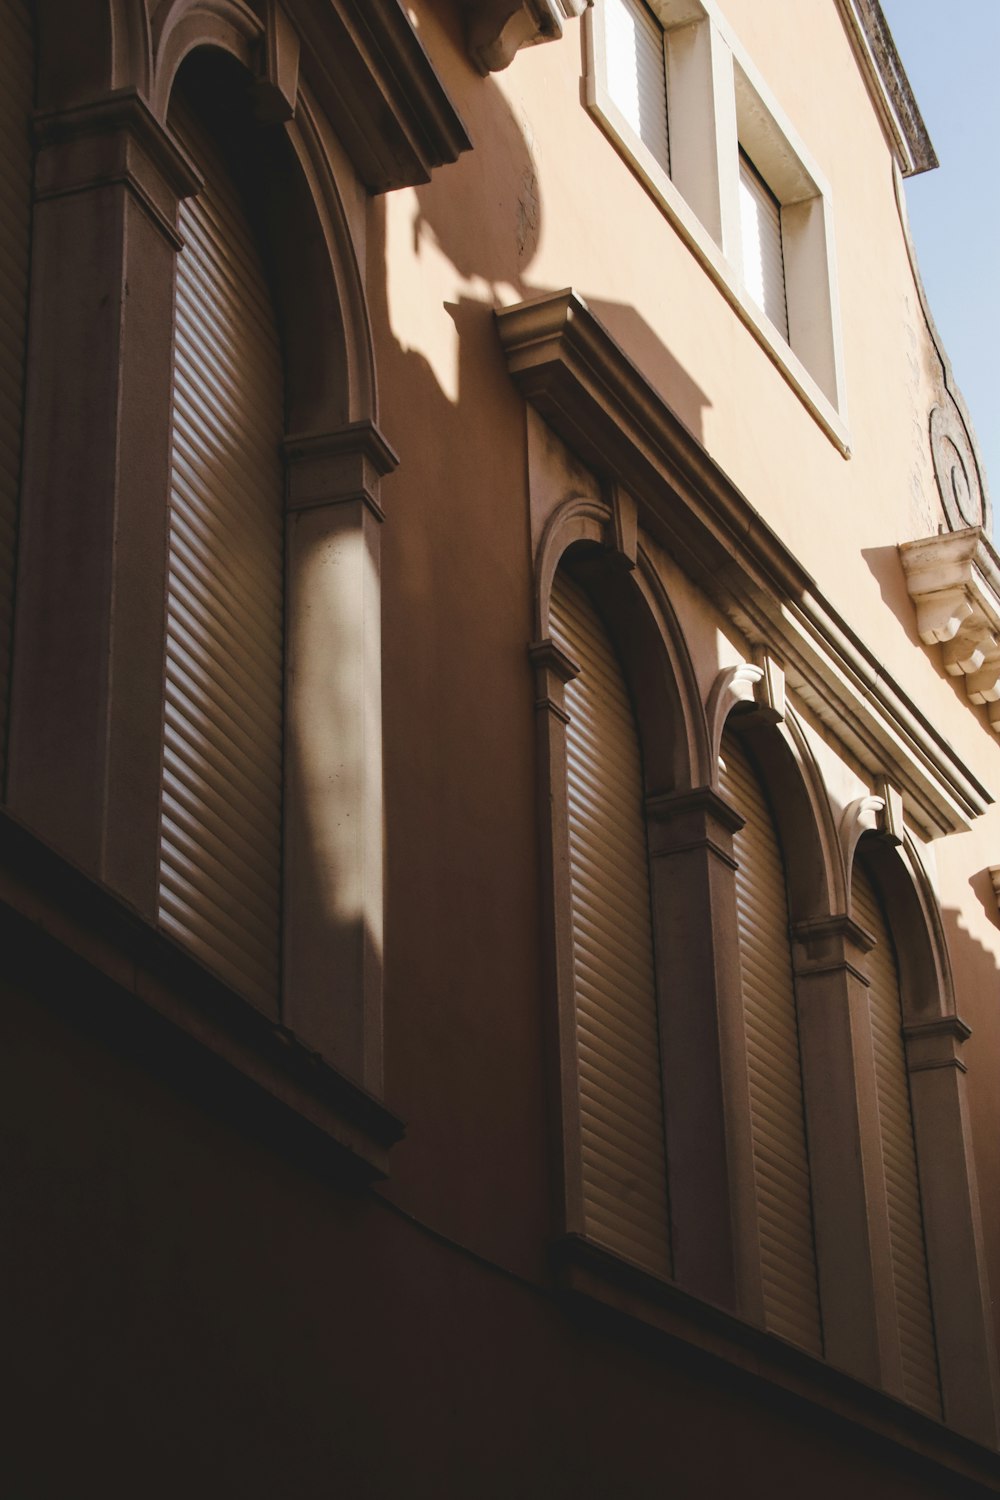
(333, 468)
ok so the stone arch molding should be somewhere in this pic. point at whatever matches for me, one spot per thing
(754, 692)
(583, 519)
(180, 26)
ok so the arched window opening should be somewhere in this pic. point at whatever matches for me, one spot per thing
(777, 1112)
(17, 74)
(914, 1315)
(220, 829)
(618, 1052)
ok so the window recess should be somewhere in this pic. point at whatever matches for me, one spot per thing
(763, 258)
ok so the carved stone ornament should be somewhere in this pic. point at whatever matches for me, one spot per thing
(954, 581)
(957, 470)
(498, 29)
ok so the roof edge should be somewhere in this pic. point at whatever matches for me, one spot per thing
(888, 85)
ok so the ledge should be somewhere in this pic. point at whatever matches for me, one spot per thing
(568, 366)
(954, 582)
(84, 952)
(379, 89)
(590, 1277)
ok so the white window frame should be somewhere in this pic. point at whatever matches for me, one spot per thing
(717, 103)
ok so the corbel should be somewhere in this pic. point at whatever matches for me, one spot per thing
(881, 813)
(994, 874)
(498, 29)
(954, 582)
(759, 684)
(769, 691)
(969, 650)
(276, 89)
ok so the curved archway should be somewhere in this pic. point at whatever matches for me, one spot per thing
(291, 188)
(919, 1044)
(647, 636)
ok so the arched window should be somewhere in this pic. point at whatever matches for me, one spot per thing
(618, 1055)
(220, 829)
(16, 89)
(777, 1113)
(911, 1283)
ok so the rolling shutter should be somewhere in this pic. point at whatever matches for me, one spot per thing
(763, 255)
(636, 72)
(906, 1226)
(17, 76)
(777, 1114)
(220, 846)
(624, 1166)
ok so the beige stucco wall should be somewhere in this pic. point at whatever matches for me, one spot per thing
(539, 204)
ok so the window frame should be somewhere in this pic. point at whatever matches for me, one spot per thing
(718, 103)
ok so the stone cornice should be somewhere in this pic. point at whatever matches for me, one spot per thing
(888, 85)
(570, 368)
(954, 582)
(379, 89)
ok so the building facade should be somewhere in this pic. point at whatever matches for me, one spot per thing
(500, 684)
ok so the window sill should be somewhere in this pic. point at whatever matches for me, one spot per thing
(697, 238)
(80, 949)
(595, 1281)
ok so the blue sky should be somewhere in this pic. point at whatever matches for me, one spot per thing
(950, 56)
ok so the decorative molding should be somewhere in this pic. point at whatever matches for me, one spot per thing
(956, 470)
(498, 29)
(546, 656)
(881, 813)
(954, 582)
(331, 468)
(590, 393)
(935, 1044)
(759, 684)
(379, 89)
(888, 85)
(115, 140)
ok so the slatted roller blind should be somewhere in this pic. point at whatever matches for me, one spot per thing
(906, 1225)
(220, 846)
(777, 1114)
(636, 72)
(16, 95)
(763, 253)
(624, 1167)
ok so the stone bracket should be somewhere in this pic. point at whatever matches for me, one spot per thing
(954, 582)
(498, 29)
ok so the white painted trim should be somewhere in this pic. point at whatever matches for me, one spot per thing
(709, 74)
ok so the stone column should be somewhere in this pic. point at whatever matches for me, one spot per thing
(89, 637)
(333, 813)
(703, 1045)
(955, 1257)
(849, 1214)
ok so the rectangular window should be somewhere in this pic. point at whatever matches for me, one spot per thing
(760, 240)
(672, 88)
